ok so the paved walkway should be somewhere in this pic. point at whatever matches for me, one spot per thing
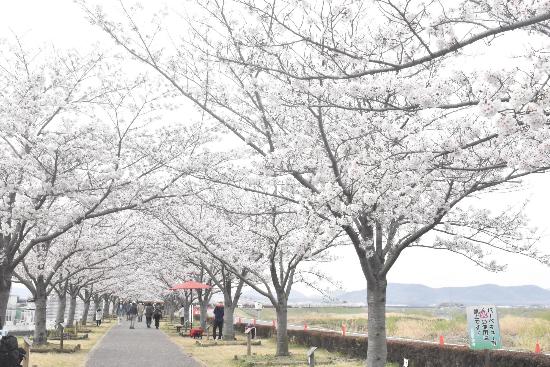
(140, 347)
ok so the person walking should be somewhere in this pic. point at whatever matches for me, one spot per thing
(157, 314)
(98, 316)
(148, 314)
(140, 310)
(181, 314)
(218, 320)
(132, 311)
(119, 311)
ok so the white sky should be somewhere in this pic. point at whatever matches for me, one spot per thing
(60, 23)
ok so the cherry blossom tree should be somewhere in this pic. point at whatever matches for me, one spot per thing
(263, 243)
(230, 285)
(76, 145)
(203, 295)
(202, 267)
(384, 116)
(40, 273)
(175, 265)
(70, 262)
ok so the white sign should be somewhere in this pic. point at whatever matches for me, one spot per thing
(258, 306)
(483, 327)
(405, 362)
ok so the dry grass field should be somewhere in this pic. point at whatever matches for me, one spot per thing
(521, 328)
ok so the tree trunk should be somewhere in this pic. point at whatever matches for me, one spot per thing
(5, 286)
(84, 319)
(230, 303)
(282, 337)
(106, 308)
(40, 301)
(97, 302)
(62, 301)
(187, 307)
(113, 305)
(203, 314)
(377, 347)
(169, 309)
(72, 310)
(228, 327)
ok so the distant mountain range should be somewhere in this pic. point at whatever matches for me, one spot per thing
(416, 295)
(421, 295)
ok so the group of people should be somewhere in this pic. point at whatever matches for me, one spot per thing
(133, 310)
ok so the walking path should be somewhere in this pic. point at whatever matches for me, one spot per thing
(140, 347)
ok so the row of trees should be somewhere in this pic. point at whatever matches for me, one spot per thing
(77, 150)
(317, 125)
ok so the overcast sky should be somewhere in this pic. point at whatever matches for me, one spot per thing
(60, 24)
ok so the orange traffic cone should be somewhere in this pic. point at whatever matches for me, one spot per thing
(305, 326)
(537, 348)
(441, 340)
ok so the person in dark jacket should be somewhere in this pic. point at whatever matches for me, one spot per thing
(148, 314)
(218, 320)
(10, 353)
(132, 311)
(157, 314)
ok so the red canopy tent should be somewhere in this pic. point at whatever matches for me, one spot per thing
(190, 285)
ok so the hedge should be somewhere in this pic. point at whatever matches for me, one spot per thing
(419, 354)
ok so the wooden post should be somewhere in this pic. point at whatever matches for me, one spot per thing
(487, 358)
(62, 329)
(311, 357)
(27, 348)
(248, 345)
(248, 333)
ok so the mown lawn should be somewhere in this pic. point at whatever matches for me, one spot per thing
(224, 355)
(77, 359)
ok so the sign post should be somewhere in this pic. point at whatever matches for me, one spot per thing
(248, 340)
(483, 327)
(311, 356)
(62, 332)
(27, 347)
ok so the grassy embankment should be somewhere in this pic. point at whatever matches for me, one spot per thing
(223, 355)
(77, 359)
(520, 328)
